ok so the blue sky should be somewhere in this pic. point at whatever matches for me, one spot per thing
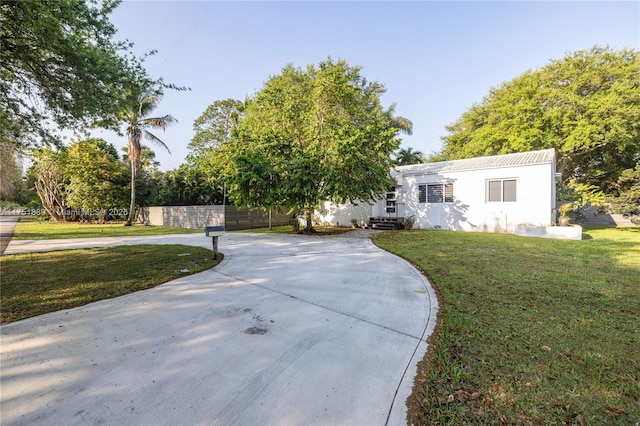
(436, 59)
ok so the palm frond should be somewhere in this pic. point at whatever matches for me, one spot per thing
(147, 103)
(391, 111)
(156, 140)
(398, 122)
(403, 124)
(159, 122)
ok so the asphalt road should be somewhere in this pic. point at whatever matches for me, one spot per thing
(288, 330)
(7, 225)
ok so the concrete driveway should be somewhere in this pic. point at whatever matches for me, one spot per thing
(290, 330)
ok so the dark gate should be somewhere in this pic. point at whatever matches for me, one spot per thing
(236, 220)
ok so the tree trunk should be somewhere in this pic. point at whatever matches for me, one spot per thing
(307, 213)
(133, 195)
(51, 195)
(563, 162)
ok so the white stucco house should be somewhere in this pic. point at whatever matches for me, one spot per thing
(502, 193)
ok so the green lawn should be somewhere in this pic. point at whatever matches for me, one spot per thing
(36, 283)
(531, 331)
(36, 230)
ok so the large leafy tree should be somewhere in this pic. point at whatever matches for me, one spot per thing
(96, 179)
(198, 181)
(213, 127)
(627, 190)
(10, 171)
(312, 135)
(60, 68)
(84, 180)
(137, 121)
(585, 105)
(51, 181)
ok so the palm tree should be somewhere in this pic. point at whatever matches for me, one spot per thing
(137, 122)
(398, 122)
(406, 156)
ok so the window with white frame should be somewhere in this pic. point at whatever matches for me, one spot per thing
(422, 194)
(501, 190)
(435, 193)
(391, 200)
(448, 192)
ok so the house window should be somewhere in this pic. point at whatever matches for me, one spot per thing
(391, 200)
(495, 190)
(501, 190)
(422, 194)
(435, 193)
(448, 193)
(391, 194)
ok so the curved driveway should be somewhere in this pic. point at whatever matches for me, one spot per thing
(288, 330)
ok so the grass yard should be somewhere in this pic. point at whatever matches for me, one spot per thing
(37, 230)
(36, 283)
(531, 331)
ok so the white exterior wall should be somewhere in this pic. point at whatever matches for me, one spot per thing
(341, 215)
(470, 211)
(380, 209)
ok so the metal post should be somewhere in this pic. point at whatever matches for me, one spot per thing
(215, 248)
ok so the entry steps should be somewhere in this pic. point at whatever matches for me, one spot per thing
(385, 223)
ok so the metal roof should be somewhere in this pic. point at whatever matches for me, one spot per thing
(544, 156)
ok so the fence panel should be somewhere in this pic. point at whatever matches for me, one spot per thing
(236, 220)
(200, 216)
